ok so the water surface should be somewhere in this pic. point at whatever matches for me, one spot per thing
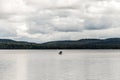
(71, 65)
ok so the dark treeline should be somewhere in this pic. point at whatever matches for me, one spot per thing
(111, 43)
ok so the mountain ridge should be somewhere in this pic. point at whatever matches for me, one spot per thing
(109, 43)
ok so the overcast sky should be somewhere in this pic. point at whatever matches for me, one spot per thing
(49, 20)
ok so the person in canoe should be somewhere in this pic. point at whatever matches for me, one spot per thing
(60, 53)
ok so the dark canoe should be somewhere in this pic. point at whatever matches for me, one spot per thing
(60, 53)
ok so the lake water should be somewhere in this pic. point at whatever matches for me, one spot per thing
(71, 65)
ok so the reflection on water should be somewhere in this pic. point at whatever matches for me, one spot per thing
(48, 65)
(21, 66)
(12, 65)
(7, 66)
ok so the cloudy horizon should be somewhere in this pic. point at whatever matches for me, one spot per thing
(50, 20)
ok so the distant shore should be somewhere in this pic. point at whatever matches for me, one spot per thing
(110, 43)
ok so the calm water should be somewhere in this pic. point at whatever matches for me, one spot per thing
(48, 65)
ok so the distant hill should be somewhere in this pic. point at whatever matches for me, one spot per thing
(6, 40)
(110, 43)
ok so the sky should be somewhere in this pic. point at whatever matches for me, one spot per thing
(51, 20)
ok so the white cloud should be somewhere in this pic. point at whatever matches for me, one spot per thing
(14, 7)
(68, 24)
(46, 20)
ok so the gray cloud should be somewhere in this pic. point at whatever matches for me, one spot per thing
(97, 24)
(5, 31)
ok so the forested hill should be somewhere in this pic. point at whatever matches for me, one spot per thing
(110, 43)
(6, 40)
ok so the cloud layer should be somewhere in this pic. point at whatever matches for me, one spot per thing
(48, 20)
